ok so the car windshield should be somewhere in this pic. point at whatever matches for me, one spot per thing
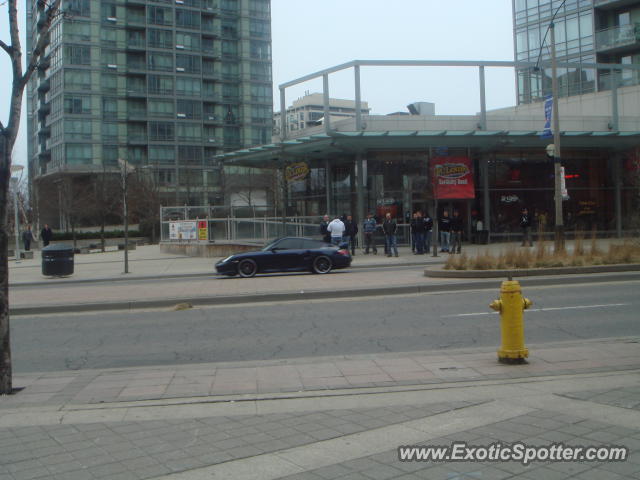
(270, 245)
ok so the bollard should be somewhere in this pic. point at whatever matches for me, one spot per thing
(511, 306)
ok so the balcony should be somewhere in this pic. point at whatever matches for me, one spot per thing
(619, 38)
(611, 4)
(44, 85)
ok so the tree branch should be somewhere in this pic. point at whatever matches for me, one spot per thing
(6, 48)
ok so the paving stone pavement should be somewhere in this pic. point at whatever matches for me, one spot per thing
(627, 397)
(540, 427)
(147, 449)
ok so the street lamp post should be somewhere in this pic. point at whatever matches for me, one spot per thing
(16, 168)
(125, 170)
(557, 158)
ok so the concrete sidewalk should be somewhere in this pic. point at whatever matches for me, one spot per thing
(326, 418)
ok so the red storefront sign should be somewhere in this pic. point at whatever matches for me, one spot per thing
(452, 177)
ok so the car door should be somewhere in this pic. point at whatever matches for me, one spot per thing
(279, 257)
(290, 254)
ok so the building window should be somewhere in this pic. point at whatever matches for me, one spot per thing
(161, 131)
(163, 154)
(159, 16)
(188, 86)
(77, 129)
(109, 83)
(187, 18)
(189, 132)
(188, 41)
(160, 38)
(160, 61)
(189, 154)
(79, 8)
(188, 63)
(260, 50)
(109, 107)
(229, 48)
(79, 154)
(77, 55)
(77, 79)
(259, 28)
(189, 109)
(110, 155)
(160, 108)
(160, 85)
(77, 105)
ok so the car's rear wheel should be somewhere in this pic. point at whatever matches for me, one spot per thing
(321, 264)
(247, 268)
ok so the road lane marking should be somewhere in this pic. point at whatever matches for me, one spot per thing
(548, 309)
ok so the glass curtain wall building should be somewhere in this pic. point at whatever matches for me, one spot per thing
(586, 31)
(163, 84)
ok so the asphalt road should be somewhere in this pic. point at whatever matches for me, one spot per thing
(316, 328)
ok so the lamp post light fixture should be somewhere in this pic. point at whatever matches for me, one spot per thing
(125, 170)
(16, 181)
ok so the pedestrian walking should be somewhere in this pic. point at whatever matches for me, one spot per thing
(369, 226)
(27, 238)
(428, 231)
(418, 229)
(326, 236)
(46, 235)
(525, 224)
(336, 230)
(350, 232)
(456, 232)
(444, 226)
(390, 229)
(412, 231)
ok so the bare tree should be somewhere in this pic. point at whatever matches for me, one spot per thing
(8, 133)
(105, 198)
(145, 200)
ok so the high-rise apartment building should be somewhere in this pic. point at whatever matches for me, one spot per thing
(586, 31)
(163, 84)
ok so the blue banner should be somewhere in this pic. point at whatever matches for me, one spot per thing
(548, 110)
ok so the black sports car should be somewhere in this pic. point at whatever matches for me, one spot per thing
(289, 254)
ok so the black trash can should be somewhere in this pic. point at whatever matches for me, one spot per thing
(57, 260)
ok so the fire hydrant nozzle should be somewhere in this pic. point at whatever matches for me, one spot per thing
(511, 306)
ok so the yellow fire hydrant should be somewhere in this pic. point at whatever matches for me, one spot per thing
(511, 307)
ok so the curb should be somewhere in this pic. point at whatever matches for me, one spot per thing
(532, 272)
(66, 280)
(312, 295)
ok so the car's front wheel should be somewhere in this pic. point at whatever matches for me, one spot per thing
(321, 264)
(247, 268)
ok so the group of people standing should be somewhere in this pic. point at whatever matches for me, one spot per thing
(46, 234)
(344, 230)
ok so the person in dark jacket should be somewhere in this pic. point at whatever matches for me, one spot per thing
(456, 232)
(46, 234)
(444, 227)
(350, 232)
(525, 224)
(417, 229)
(369, 226)
(390, 229)
(326, 235)
(27, 238)
(428, 231)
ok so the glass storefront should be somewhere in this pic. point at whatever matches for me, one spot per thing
(399, 182)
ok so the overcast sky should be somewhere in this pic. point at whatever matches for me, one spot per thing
(311, 35)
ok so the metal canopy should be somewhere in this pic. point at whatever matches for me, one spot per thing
(340, 144)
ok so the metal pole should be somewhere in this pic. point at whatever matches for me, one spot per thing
(17, 220)
(325, 94)
(283, 116)
(483, 100)
(360, 215)
(617, 178)
(484, 174)
(126, 218)
(615, 118)
(557, 155)
(356, 72)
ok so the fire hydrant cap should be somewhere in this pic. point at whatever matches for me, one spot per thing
(510, 286)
